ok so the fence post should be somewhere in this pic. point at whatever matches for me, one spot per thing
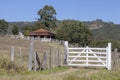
(12, 53)
(20, 56)
(35, 66)
(109, 57)
(30, 56)
(50, 61)
(56, 58)
(38, 61)
(59, 64)
(45, 59)
(66, 52)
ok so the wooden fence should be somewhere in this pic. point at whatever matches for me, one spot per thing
(38, 59)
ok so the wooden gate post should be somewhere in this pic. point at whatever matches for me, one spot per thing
(20, 56)
(66, 52)
(109, 57)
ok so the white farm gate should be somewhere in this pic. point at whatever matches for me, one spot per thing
(88, 57)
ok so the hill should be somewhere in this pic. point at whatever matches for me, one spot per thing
(107, 33)
(96, 24)
(104, 30)
(21, 24)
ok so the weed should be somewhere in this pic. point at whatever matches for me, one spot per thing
(8, 67)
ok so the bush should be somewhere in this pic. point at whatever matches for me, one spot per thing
(9, 67)
(104, 43)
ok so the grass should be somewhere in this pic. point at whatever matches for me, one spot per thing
(101, 75)
(18, 70)
(17, 73)
(11, 71)
(40, 47)
(107, 75)
(48, 71)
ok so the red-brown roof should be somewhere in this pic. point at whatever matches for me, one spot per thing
(41, 32)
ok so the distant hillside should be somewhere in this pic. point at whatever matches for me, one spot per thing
(107, 32)
(96, 24)
(104, 30)
(21, 24)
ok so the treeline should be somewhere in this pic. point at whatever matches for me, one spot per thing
(104, 43)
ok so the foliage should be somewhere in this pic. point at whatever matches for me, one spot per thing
(3, 27)
(7, 67)
(15, 30)
(39, 25)
(74, 32)
(26, 32)
(103, 43)
(27, 29)
(47, 16)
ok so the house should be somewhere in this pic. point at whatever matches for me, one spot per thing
(42, 34)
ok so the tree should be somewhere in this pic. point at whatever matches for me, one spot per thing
(15, 29)
(27, 29)
(47, 16)
(39, 25)
(74, 32)
(26, 32)
(3, 27)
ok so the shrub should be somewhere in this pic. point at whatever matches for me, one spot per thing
(7, 66)
(103, 43)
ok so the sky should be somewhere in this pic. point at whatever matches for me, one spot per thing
(82, 10)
